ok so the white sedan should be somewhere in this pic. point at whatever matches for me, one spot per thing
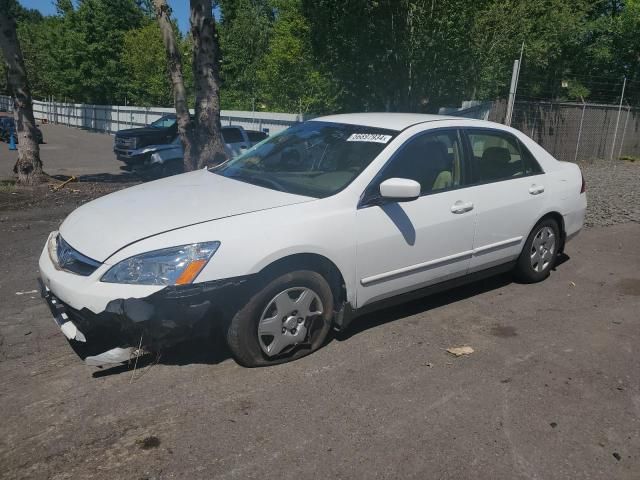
(306, 230)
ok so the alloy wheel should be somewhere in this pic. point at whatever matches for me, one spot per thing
(543, 248)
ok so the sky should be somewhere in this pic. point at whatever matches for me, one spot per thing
(180, 10)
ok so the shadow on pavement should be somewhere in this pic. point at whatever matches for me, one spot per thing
(421, 305)
(214, 349)
(209, 351)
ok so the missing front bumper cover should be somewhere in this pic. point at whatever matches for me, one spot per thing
(162, 319)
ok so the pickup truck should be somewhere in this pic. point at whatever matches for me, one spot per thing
(164, 156)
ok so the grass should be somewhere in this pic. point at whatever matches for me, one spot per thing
(630, 158)
(7, 186)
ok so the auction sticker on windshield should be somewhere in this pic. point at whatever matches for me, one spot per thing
(369, 137)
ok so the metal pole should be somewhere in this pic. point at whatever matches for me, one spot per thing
(624, 130)
(584, 105)
(615, 133)
(512, 92)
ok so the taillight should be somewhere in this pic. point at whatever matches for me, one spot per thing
(583, 188)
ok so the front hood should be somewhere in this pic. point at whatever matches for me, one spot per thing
(141, 132)
(106, 225)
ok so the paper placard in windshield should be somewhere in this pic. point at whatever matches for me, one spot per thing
(369, 137)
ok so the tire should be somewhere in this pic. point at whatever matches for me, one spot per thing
(269, 310)
(538, 257)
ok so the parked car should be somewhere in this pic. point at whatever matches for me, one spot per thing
(163, 160)
(8, 125)
(317, 224)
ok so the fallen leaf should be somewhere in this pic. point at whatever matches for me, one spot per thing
(460, 351)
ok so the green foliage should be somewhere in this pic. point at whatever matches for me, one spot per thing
(334, 55)
(289, 78)
(145, 67)
(244, 37)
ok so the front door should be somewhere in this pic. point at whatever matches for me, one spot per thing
(403, 246)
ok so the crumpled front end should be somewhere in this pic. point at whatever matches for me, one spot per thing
(112, 323)
(131, 327)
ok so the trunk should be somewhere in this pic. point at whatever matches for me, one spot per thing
(208, 145)
(28, 167)
(174, 60)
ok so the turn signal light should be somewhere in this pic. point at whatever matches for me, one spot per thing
(191, 272)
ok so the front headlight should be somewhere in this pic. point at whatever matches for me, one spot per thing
(169, 266)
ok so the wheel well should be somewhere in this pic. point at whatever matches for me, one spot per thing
(313, 262)
(560, 221)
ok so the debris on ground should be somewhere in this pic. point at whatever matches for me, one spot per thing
(460, 351)
(62, 185)
(572, 284)
(27, 292)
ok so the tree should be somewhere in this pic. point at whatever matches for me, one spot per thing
(245, 30)
(290, 79)
(201, 136)
(28, 167)
(145, 67)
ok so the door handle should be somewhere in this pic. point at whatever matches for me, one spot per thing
(536, 189)
(461, 207)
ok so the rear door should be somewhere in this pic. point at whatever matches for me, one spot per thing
(508, 194)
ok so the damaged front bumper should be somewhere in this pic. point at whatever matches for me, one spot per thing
(131, 327)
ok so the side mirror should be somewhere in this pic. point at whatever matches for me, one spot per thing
(400, 189)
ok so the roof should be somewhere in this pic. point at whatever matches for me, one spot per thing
(392, 121)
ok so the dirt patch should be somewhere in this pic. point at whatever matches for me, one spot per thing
(149, 442)
(73, 194)
(503, 331)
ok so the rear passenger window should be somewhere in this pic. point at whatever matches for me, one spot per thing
(232, 135)
(496, 156)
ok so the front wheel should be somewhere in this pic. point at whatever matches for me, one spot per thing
(540, 252)
(287, 319)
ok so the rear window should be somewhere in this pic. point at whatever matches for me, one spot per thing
(232, 135)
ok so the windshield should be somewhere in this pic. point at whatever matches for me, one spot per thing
(315, 159)
(164, 122)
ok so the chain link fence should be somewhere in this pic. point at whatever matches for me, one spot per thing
(576, 131)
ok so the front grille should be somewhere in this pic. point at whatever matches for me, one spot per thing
(69, 259)
(126, 142)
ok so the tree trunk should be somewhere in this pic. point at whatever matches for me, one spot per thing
(174, 60)
(201, 138)
(28, 167)
(207, 136)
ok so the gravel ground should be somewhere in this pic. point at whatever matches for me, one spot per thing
(613, 192)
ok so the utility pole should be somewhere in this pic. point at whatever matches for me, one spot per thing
(615, 133)
(515, 77)
(512, 92)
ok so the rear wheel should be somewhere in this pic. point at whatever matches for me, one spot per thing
(287, 319)
(540, 251)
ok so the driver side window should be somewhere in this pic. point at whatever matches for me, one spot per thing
(434, 160)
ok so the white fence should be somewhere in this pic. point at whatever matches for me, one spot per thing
(111, 118)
